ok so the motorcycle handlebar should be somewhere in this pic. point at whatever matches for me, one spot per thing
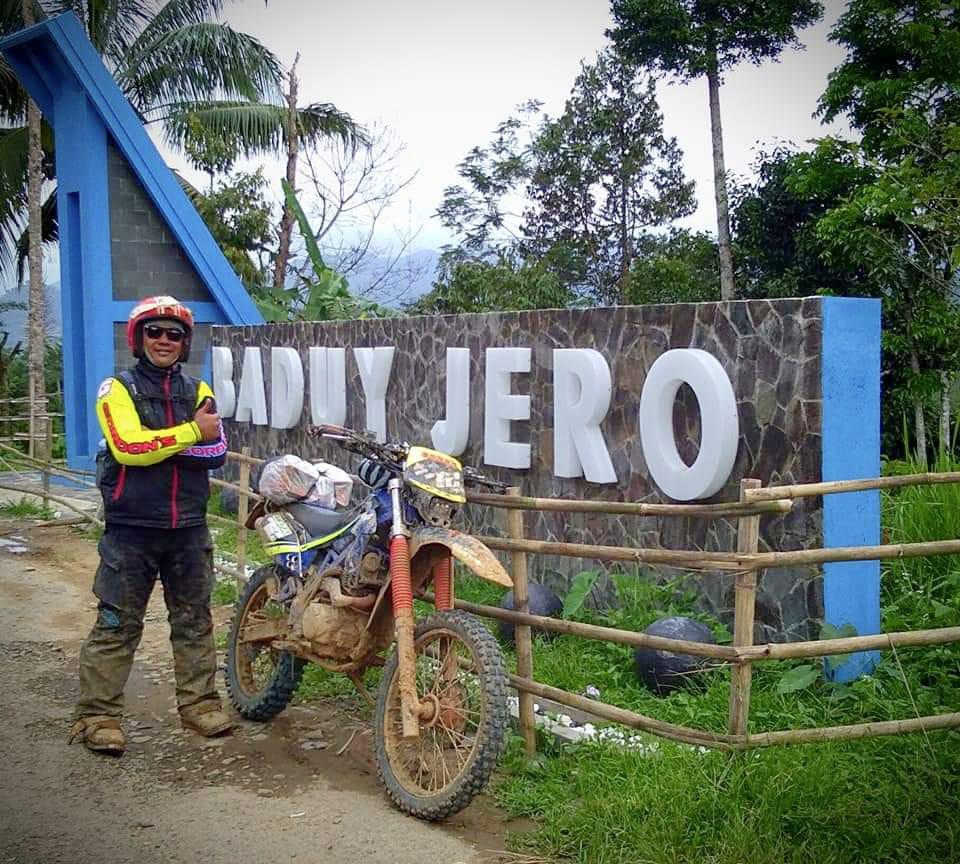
(474, 477)
(366, 445)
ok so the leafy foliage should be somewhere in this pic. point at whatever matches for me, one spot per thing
(686, 37)
(321, 295)
(900, 55)
(775, 223)
(239, 218)
(677, 267)
(604, 173)
(484, 286)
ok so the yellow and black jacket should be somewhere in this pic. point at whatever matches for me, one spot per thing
(153, 470)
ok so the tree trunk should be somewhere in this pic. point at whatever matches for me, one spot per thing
(946, 384)
(918, 418)
(293, 148)
(37, 300)
(720, 185)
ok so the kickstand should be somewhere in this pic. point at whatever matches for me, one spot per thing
(357, 680)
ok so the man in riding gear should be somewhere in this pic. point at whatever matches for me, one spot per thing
(162, 435)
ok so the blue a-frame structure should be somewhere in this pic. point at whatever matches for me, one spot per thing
(66, 77)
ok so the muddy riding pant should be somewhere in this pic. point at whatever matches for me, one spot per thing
(131, 559)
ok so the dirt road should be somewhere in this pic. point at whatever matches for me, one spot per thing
(274, 793)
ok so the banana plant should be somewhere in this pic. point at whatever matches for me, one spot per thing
(324, 295)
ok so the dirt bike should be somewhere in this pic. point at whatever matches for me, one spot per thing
(340, 593)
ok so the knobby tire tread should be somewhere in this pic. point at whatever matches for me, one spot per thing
(286, 677)
(460, 793)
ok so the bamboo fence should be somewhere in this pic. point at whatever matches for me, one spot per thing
(746, 563)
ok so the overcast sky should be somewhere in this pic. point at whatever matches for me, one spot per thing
(442, 74)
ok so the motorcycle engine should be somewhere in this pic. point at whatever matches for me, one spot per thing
(338, 633)
(433, 509)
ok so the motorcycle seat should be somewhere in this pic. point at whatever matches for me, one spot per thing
(320, 521)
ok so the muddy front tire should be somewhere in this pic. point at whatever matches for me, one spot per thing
(261, 681)
(459, 669)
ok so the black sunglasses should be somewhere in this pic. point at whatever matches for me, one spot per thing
(153, 331)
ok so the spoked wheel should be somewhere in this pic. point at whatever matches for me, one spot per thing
(261, 680)
(460, 674)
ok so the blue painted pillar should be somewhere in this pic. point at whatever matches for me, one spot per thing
(86, 278)
(851, 449)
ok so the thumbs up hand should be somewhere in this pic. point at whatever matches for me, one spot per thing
(207, 420)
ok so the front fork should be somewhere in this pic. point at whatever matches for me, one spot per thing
(412, 709)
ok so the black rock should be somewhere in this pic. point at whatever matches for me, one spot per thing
(663, 672)
(542, 601)
(229, 499)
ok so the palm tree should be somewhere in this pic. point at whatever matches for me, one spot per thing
(173, 61)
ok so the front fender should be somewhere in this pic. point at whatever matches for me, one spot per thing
(465, 548)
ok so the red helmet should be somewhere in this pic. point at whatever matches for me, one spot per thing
(152, 308)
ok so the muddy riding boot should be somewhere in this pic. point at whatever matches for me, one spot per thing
(207, 718)
(100, 733)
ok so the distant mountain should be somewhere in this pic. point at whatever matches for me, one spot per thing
(14, 321)
(409, 278)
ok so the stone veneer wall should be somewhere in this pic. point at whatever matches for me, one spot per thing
(770, 349)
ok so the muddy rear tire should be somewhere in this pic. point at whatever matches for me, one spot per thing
(261, 681)
(459, 662)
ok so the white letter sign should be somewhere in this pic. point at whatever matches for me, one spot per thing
(451, 435)
(375, 365)
(252, 402)
(223, 388)
(581, 398)
(719, 424)
(501, 406)
(286, 388)
(328, 386)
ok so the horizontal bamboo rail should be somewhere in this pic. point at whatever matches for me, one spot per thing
(725, 653)
(857, 730)
(807, 490)
(731, 561)
(675, 558)
(848, 644)
(595, 631)
(629, 508)
(240, 457)
(61, 501)
(226, 484)
(684, 734)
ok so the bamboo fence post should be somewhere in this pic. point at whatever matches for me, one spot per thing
(242, 520)
(748, 538)
(522, 633)
(31, 450)
(48, 459)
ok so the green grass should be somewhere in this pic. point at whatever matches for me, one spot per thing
(26, 508)
(875, 800)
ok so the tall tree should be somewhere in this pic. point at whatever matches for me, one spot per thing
(692, 38)
(604, 172)
(37, 300)
(352, 190)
